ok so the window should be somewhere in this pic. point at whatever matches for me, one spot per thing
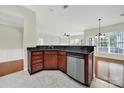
(113, 42)
(103, 43)
(76, 41)
(91, 41)
(116, 42)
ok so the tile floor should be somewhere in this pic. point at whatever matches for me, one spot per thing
(46, 79)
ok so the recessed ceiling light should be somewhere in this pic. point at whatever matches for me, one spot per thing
(122, 14)
(51, 10)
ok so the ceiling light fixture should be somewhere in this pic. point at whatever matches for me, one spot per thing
(65, 6)
(122, 14)
(51, 10)
(68, 37)
(100, 35)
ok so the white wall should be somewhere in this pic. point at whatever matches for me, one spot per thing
(11, 43)
(64, 41)
(48, 39)
(74, 40)
(29, 34)
(45, 39)
(11, 37)
(77, 39)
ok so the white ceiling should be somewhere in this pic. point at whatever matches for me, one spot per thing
(75, 19)
(11, 20)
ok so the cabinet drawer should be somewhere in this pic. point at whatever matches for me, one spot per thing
(37, 53)
(62, 53)
(37, 67)
(37, 61)
(36, 57)
(51, 52)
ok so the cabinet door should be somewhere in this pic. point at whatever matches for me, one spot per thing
(62, 63)
(37, 67)
(103, 70)
(36, 61)
(116, 74)
(50, 61)
(80, 70)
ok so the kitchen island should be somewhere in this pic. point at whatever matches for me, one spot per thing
(75, 61)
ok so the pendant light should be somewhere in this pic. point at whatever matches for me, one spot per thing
(100, 35)
(68, 37)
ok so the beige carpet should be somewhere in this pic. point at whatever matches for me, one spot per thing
(45, 79)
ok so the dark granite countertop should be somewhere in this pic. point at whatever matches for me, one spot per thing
(69, 49)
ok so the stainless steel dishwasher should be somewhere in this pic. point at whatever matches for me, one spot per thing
(75, 68)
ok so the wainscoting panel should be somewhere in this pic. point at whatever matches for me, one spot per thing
(110, 70)
(11, 67)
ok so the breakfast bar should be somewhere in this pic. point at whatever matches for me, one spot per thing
(75, 61)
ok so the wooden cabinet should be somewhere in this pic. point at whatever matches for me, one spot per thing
(35, 61)
(50, 60)
(76, 64)
(88, 66)
(37, 67)
(62, 61)
(46, 60)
